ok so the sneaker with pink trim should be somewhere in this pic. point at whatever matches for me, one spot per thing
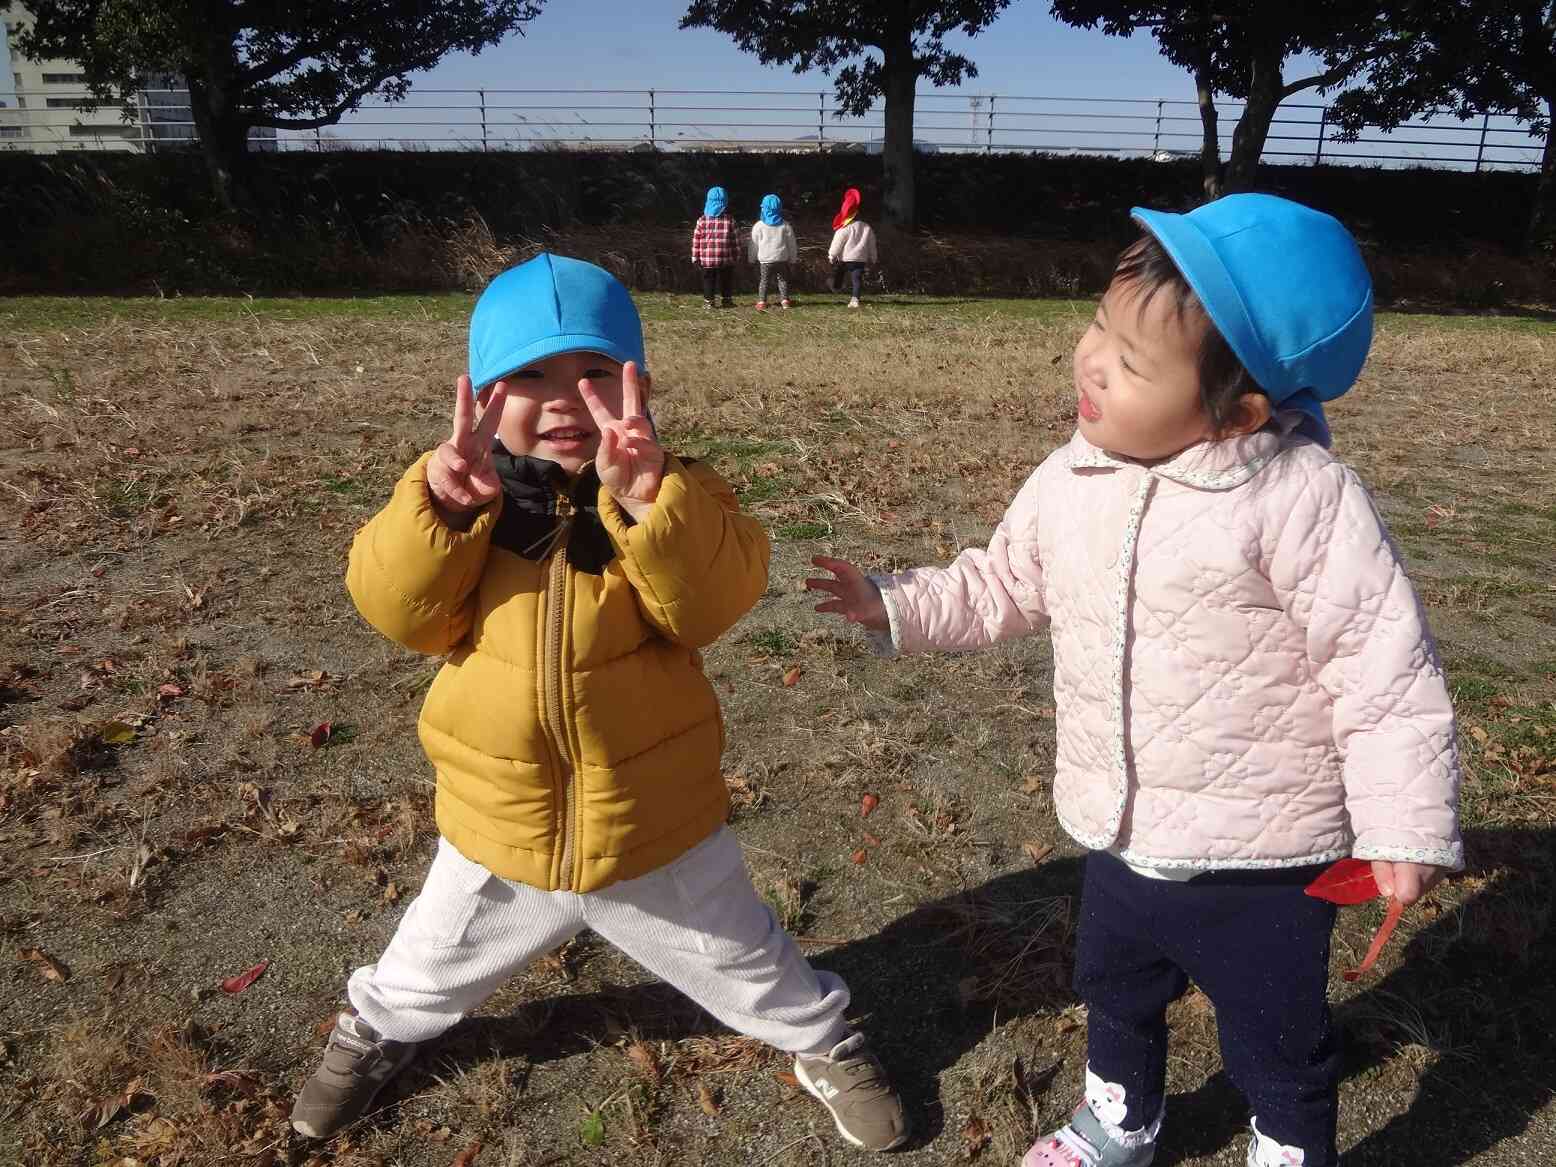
(1084, 1142)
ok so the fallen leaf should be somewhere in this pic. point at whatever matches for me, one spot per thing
(867, 805)
(1036, 851)
(169, 691)
(440, 1134)
(467, 1156)
(319, 734)
(645, 1059)
(870, 840)
(243, 980)
(391, 892)
(1033, 784)
(975, 1133)
(116, 733)
(314, 679)
(51, 969)
(705, 1099)
(859, 856)
(792, 677)
(785, 1078)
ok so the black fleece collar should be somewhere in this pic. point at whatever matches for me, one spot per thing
(528, 523)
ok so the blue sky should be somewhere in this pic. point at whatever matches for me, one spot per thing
(635, 44)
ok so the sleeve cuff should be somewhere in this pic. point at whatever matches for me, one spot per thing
(886, 644)
(1451, 857)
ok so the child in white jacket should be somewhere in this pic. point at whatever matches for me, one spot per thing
(773, 247)
(853, 244)
(1245, 683)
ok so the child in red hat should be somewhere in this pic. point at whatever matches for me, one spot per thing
(853, 245)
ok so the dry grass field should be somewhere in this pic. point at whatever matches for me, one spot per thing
(180, 481)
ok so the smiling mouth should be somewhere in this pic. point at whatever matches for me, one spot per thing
(567, 434)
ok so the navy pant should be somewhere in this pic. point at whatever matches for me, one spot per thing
(1257, 947)
(720, 280)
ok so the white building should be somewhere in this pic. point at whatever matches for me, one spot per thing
(42, 105)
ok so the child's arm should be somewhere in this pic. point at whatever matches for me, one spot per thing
(696, 563)
(791, 245)
(836, 248)
(698, 233)
(751, 249)
(414, 567)
(873, 252)
(1338, 575)
(983, 596)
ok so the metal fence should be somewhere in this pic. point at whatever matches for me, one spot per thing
(789, 120)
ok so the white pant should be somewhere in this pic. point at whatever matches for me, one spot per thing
(696, 923)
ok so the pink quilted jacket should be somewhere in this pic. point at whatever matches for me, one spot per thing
(1243, 674)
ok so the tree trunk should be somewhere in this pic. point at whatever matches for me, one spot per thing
(1253, 128)
(1210, 147)
(1542, 220)
(897, 190)
(224, 142)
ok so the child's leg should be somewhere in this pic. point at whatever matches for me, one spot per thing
(1127, 982)
(781, 271)
(1259, 947)
(727, 283)
(465, 934)
(765, 270)
(856, 276)
(698, 924)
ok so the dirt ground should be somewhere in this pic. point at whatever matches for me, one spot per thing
(181, 480)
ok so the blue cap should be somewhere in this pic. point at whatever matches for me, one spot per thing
(716, 202)
(1287, 288)
(549, 305)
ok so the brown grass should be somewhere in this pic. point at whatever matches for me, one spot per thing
(182, 480)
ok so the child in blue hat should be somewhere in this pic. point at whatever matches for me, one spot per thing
(1245, 684)
(714, 240)
(570, 569)
(773, 248)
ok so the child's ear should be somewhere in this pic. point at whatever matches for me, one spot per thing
(1252, 412)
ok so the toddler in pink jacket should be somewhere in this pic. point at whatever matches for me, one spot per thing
(1245, 684)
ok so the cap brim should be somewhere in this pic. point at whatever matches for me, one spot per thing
(1199, 264)
(552, 346)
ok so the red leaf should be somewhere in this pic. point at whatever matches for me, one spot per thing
(1347, 882)
(792, 677)
(244, 979)
(319, 734)
(466, 1157)
(1391, 918)
(859, 856)
(867, 804)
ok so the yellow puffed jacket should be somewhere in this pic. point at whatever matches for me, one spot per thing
(576, 740)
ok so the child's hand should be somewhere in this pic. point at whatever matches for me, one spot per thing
(1406, 882)
(855, 597)
(460, 475)
(630, 463)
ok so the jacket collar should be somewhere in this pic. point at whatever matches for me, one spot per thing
(1208, 465)
(528, 525)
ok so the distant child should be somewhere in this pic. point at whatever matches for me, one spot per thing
(774, 247)
(571, 570)
(714, 242)
(853, 244)
(1246, 687)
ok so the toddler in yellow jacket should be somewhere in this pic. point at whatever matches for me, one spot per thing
(570, 569)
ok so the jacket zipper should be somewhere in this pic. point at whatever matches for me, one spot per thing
(551, 667)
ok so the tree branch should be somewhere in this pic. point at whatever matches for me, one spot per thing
(1331, 76)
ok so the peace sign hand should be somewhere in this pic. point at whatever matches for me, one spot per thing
(630, 461)
(460, 474)
(854, 597)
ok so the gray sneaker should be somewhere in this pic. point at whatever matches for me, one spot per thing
(853, 1087)
(357, 1065)
(1084, 1142)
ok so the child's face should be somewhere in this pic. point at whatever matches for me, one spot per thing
(544, 415)
(1137, 376)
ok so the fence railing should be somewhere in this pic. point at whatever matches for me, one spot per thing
(684, 119)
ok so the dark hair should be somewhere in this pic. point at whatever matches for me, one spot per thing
(1223, 379)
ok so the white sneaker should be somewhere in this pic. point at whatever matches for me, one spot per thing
(854, 302)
